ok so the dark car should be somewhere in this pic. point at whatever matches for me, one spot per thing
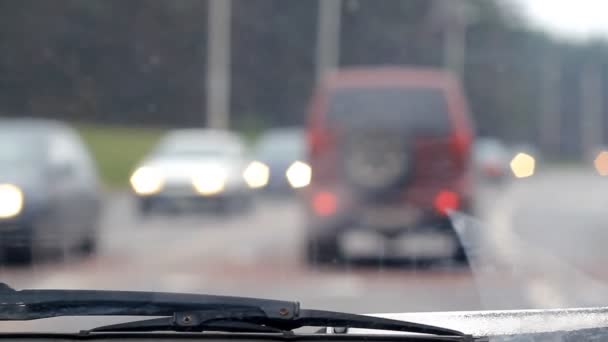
(389, 149)
(282, 150)
(49, 196)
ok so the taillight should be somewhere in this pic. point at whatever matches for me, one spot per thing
(445, 201)
(324, 203)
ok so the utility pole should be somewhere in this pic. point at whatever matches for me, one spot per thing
(591, 109)
(550, 121)
(451, 18)
(328, 36)
(218, 64)
(455, 39)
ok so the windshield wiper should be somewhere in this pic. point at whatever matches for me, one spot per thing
(191, 312)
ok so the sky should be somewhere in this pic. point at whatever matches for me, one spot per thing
(569, 18)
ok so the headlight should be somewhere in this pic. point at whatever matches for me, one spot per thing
(522, 165)
(210, 181)
(299, 174)
(256, 175)
(147, 181)
(11, 201)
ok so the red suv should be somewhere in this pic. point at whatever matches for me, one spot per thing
(389, 149)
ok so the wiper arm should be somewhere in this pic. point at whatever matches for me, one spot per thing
(37, 304)
(191, 312)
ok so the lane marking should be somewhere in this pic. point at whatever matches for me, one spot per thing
(550, 281)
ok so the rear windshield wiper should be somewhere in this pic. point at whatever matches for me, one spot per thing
(191, 312)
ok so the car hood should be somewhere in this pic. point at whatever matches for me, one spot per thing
(278, 165)
(503, 322)
(182, 170)
(27, 179)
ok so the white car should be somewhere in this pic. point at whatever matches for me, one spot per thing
(491, 159)
(194, 167)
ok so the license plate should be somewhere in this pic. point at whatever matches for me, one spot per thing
(391, 217)
(425, 245)
(361, 243)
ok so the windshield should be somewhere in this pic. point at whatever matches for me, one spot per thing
(176, 146)
(281, 147)
(360, 156)
(189, 151)
(19, 150)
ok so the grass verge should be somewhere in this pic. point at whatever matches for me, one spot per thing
(118, 149)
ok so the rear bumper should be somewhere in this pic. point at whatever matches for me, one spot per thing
(405, 217)
(421, 199)
(354, 221)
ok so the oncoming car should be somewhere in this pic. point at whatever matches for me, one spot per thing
(49, 190)
(282, 152)
(389, 148)
(491, 160)
(193, 167)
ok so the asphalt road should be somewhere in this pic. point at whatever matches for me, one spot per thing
(543, 246)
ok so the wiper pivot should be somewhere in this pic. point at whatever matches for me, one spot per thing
(230, 320)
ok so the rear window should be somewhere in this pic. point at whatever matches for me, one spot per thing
(422, 110)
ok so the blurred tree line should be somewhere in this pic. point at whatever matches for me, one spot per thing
(142, 62)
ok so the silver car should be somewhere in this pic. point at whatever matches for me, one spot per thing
(195, 168)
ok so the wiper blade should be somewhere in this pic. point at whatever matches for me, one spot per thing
(170, 324)
(191, 312)
(234, 318)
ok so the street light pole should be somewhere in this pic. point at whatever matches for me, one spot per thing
(328, 36)
(454, 48)
(591, 108)
(218, 64)
(550, 115)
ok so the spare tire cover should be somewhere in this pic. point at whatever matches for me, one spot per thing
(377, 160)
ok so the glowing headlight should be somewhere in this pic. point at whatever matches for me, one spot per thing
(11, 200)
(299, 174)
(210, 181)
(523, 165)
(256, 175)
(146, 181)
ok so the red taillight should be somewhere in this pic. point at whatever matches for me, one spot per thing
(324, 203)
(445, 201)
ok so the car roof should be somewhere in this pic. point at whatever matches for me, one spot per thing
(389, 76)
(34, 125)
(214, 136)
